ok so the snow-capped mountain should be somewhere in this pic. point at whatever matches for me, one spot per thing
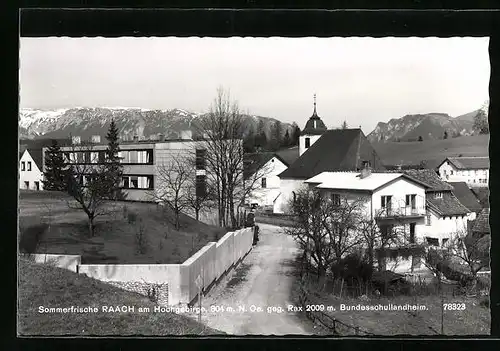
(88, 121)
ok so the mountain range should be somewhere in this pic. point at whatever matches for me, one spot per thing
(145, 123)
(427, 126)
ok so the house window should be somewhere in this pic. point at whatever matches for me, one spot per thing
(263, 182)
(386, 230)
(336, 199)
(102, 157)
(125, 182)
(411, 201)
(29, 166)
(438, 195)
(23, 166)
(385, 203)
(432, 241)
(412, 233)
(37, 185)
(201, 185)
(201, 158)
(79, 157)
(134, 182)
(443, 242)
(133, 156)
(26, 185)
(308, 143)
(428, 219)
(87, 157)
(451, 172)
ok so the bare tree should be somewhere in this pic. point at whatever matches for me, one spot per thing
(470, 249)
(172, 188)
(199, 197)
(88, 183)
(326, 230)
(222, 130)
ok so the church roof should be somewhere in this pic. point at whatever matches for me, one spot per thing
(314, 125)
(335, 150)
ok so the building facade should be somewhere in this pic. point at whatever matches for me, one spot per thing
(472, 170)
(264, 180)
(414, 210)
(31, 170)
(144, 164)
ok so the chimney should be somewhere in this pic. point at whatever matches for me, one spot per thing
(161, 137)
(186, 135)
(366, 171)
(76, 140)
(96, 139)
(136, 138)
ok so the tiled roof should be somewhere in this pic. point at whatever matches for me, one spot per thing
(466, 196)
(254, 161)
(430, 177)
(36, 155)
(482, 162)
(335, 150)
(289, 156)
(448, 205)
(482, 222)
(482, 194)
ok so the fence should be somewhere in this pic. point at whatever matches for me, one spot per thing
(334, 325)
(174, 283)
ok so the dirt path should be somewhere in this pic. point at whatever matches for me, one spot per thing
(260, 285)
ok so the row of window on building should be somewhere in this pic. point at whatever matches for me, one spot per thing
(36, 185)
(469, 173)
(26, 166)
(132, 156)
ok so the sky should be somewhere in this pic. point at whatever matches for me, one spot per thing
(361, 80)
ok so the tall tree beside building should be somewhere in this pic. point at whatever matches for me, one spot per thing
(295, 135)
(223, 128)
(114, 167)
(55, 174)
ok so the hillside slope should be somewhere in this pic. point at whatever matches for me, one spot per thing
(50, 287)
(431, 151)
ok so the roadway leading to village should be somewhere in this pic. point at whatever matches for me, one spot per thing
(262, 280)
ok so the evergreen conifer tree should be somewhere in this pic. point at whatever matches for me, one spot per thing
(55, 172)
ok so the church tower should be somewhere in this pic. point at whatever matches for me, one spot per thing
(312, 131)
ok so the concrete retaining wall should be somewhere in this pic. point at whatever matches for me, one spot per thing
(215, 258)
(70, 262)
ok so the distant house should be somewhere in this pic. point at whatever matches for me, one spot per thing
(31, 169)
(472, 170)
(446, 215)
(334, 150)
(467, 198)
(261, 173)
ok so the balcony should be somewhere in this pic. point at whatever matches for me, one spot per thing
(400, 212)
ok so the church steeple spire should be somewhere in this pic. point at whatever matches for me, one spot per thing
(314, 113)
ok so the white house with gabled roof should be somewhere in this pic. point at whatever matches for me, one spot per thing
(398, 201)
(475, 171)
(31, 170)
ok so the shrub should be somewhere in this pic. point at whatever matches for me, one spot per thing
(31, 237)
(131, 217)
